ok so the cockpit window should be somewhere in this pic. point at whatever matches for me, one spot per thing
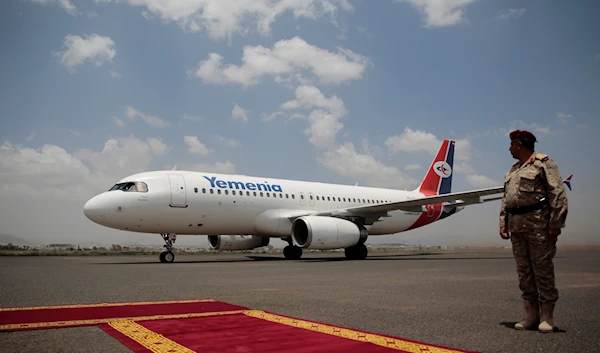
(130, 186)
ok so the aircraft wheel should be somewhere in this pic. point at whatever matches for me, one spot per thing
(357, 252)
(292, 252)
(169, 256)
(166, 256)
(362, 252)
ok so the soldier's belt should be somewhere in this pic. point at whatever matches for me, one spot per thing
(526, 209)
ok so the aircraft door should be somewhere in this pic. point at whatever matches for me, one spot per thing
(311, 199)
(302, 199)
(178, 192)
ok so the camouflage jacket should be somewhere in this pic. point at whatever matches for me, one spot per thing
(526, 184)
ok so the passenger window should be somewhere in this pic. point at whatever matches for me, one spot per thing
(196, 190)
(233, 192)
(212, 191)
(280, 196)
(203, 190)
(268, 195)
(261, 194)
(226, 192)
(219, 191)
(287, 196)
(293, 196)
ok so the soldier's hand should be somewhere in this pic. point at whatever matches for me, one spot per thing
(503, 233)
(554, 232)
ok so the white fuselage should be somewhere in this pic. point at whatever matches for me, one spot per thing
(185, 202)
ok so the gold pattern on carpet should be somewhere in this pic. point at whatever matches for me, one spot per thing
(151, 340)
(392, 343)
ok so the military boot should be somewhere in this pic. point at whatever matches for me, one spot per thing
(532, 316)
(547, 320)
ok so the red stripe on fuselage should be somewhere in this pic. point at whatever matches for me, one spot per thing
(433, 213)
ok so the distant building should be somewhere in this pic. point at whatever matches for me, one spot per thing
(61, 246)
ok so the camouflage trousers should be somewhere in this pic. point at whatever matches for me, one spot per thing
(533, 252)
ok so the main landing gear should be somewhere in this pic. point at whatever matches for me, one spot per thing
(356, 252)
(168, 256)
(291, 251)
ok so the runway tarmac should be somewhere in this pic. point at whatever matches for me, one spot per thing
(463, 300)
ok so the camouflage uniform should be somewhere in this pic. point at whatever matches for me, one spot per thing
(526, 184)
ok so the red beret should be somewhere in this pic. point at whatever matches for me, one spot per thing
(522, 135)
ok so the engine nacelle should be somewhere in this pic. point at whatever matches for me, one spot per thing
(317, 232)
(237, 242)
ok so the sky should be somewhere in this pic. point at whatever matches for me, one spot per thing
(339, 91)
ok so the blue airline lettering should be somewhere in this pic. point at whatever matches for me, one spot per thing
(239, 185)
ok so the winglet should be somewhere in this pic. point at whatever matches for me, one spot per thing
(568, 181)
(174, 167)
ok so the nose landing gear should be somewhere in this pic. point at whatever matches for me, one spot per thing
(168, 256)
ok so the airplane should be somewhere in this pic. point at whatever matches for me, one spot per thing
(307, 215)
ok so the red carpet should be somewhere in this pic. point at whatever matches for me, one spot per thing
(208, 326)
(256, 331)
(31, 318)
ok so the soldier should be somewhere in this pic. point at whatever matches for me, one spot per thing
(533, 211)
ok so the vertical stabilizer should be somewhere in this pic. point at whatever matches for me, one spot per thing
(438, 179)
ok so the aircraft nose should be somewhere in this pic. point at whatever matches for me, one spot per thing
(94, 210)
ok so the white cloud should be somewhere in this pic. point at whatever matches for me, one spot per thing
(347, 162)
(272, 116)
(195, 146)
(481, 181)
(324, 122)
(413, 167)
(415, 141)
(563, 117)
(192, 118)
(65, 4)
(75, 132)
(114, 74)
(464, 168)
(123, 156)
(509, 14)
(133, 113)
(440, 13)
(228, 142)
(533, 127)
(223, 19)
(52, 171)
(157, 146)
(238, 113)
(118, 121)
(94, 48)
(49, 166)
(220, 167)
(284, 62)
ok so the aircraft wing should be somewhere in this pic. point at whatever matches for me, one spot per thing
(412, 205)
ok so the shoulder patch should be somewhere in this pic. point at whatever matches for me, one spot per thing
(541, 156)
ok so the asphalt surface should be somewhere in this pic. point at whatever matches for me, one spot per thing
(462, 300)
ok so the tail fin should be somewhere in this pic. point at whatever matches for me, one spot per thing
(438, 179)
(568, 181)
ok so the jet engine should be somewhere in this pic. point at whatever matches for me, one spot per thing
(317, 232)
(237, 242)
